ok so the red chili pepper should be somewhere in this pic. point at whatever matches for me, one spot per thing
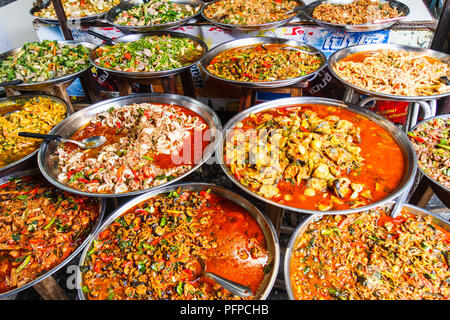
(205, 194)
(418, 139)
(267, 65)
(303, 129)
(237, 175)
(106, 258)
(147, 172)
(5, 185)
(247, 75)
(103, 235)
(97, 267)
(127, 55)
(127, 263)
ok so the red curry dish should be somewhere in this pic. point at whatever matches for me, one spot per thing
(150, 251)
(40, 226)
(314, 157)
(145, 148)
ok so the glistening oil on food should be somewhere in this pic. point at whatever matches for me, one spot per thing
(152, 250)
(314, 157)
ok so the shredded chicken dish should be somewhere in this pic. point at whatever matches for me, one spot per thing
(314, 157)
(263, 63)
(396, 72)
(250, 12)
(357, 12)
(371, 256)
(152, 251)
(40, 226)
(77, 9)
(34, 115)
(144, 148)
(432, 144)
(156, 12)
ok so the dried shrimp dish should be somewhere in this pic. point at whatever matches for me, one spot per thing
(250, 12)
(395, 72)
(259, 63)
(42, 61)
(432, 144)
(38, 115)
(147, 144)
(357, 12)
(149, 54)
(40, 226)
(314, 157)
(151, 251)
(156, 12)
(371, 256)
(77, 9)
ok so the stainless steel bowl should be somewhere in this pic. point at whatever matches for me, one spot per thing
(402, 140)
(442, 192)
(102, 208)
(402, 8)
(150, 75)
(304, 225)
(48, 160)
(273, 246)
(65, 78)
(18, 100)
(256, 27)
(254, 41)
(345, 52)
(46, 3)
(112, 14)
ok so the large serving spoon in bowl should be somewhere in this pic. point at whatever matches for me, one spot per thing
(234, 287)
(88, 143)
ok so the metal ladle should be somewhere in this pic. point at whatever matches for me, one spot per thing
(88, 143)
(234, 287)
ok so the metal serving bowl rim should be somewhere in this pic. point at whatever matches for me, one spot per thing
(356, 27)
(56, 21)
(208, 152)
(172, 24)
(261, 40)
(443, 116)
(194, 186)
(90, 46)
(400, 138)
(372, 47)
(29, 97)
(155, 74)
(303, 225)
(249, 27)
(95, 227)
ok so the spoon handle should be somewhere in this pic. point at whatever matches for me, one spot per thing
(231, 286)
(47, 137)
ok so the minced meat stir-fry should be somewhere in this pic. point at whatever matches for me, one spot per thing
(263, 63)
(357, 12)
(250, 12)
(371, 256)
(314, 157)
(431, 141)
(40, 226)
(155, 12)
(144, 148)
(32, 115)
(152, 250)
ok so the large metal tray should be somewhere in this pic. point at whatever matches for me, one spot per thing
(149, 75)
(114, 12)
(345, 52)
(256, 27)
(254, 41)
(42, 84)
(401, 138)
(14, 100)
(273, 246)
(102, 208)
(304, 225)
(48, 161)
(367, 27)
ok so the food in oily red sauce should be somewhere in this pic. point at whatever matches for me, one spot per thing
(40, 226)
(145, 147)
(260, 63)
(370, 255)
(150, 251)
(369, 163)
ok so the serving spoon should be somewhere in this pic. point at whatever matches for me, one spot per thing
(234, 287)
(88, 143)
